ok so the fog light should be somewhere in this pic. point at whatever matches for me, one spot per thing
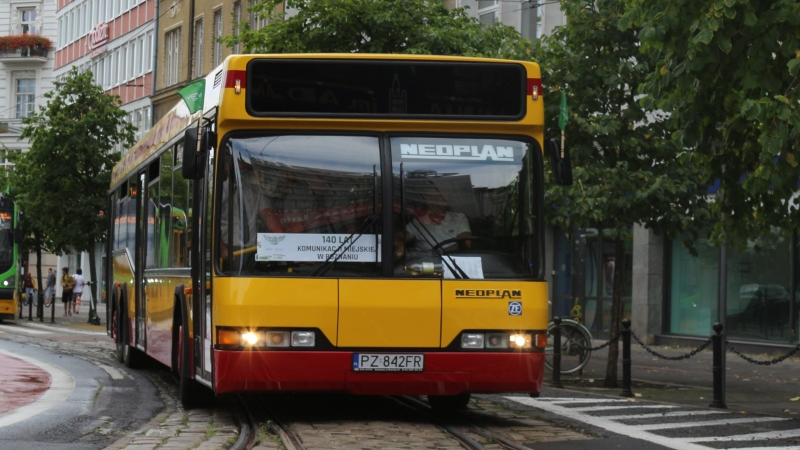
(472, 340)
(303, 339)
(497, 340)
(277, 338)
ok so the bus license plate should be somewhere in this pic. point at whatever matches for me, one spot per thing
(388, 362)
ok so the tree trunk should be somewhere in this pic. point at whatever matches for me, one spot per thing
(93, 318)
(39, 285)
(616, 314)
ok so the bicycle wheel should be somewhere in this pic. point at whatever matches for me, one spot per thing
(576, 344)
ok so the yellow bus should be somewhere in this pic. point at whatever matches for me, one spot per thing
(361, 223)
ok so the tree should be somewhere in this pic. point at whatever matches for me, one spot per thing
(727, 73)
(626, 168)
(63, 180)
(376, 26)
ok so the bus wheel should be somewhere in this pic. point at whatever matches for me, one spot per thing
(131, 357)
(116, 337)
(449, 402)
(190, 392)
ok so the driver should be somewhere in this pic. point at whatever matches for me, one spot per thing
(434, 224)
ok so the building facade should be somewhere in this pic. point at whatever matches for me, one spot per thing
(189, 34)
(116, 41)
(26, 74)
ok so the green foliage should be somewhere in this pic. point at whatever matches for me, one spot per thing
(62, 181)
(727, 73)
(626, 168)
(376, 26)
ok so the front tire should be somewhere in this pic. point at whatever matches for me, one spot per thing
(191, 393)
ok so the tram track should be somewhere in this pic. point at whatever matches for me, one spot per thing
(401, 411)
(458, 426)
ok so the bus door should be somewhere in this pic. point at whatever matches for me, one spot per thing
(140, 335)
(201, 272)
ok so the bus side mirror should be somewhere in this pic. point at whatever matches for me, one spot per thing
(195, 148)
(18, 235)
(562, 166)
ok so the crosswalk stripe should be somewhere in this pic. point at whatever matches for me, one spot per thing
(627, 406)
(581, 409)
(660, 415)
(669, 426)
(782, 434)
(568, 400)
(614, 427)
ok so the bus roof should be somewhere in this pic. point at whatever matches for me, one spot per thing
(179, 117)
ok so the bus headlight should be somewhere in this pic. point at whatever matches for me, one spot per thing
(251, 338)
(497, 340)
(521, 340)
(472, 340)
(303, 339)
(237, 338)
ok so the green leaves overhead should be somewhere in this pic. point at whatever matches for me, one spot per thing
(63, 180)
(375, 26)
(729, 83)
(627, 169)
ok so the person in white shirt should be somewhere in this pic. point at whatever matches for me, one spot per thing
(433, 225)
(80, 282)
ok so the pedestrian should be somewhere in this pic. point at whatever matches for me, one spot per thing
(50, 287)
(30, 288)
(80, 282)
(67, 284)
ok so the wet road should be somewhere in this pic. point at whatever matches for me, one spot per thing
(52, 399)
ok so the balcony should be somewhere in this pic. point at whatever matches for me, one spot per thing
(25, 48)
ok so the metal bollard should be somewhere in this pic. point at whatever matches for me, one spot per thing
(557, 352)
(718, 368)
(626, 358)
(40, 306)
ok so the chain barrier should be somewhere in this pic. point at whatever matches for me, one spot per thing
(599, 347)
(758, 362)
(672, 358)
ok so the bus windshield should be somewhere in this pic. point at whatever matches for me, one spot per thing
(301, 205)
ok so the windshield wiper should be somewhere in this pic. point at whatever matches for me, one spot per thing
(429, 239)
(449, 261)
(353, 237)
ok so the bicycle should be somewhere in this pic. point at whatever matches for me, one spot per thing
(576, 346)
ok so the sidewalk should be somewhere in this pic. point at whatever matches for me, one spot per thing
(767, 389)
(56, 316)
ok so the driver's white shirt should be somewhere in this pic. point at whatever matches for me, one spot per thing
(425, 231)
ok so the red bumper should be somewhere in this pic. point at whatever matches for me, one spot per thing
(444, 374)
